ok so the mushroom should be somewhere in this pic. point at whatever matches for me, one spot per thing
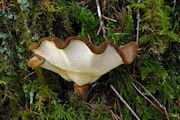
(79, 60)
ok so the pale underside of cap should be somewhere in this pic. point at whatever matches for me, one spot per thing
(77, 62)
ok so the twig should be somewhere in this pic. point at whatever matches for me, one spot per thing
(99, 30)
(109, 18)
(6, 5)
(174, 14)
(138, 21)
(89, 38)
(114, 116)
(163, 109)
(91, 106)
(119, 108)
(101, 20)
(29, 74)
(174, 6)
(121, 98)
(84, 2)
(91, 100)
(145, 97)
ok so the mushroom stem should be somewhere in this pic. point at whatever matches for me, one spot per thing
(81, 91)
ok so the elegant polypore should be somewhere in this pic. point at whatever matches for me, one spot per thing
(79, 60)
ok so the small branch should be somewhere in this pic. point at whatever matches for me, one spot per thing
(84, 2)
(107, 18)
(174, 14)
(6, 5)
(138, 21)
(121, 98)
(99, 30)
(29, 74)
(114, 116)
(89, 38)
(145, 97)
(174, 6)
(161, 107)
(100, 18)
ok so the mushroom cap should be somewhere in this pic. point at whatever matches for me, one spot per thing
(79, 60)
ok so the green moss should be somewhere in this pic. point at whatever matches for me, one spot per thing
(40, 94)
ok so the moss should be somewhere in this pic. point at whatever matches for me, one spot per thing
(41, 94)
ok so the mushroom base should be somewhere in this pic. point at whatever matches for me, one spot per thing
(81, 91)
